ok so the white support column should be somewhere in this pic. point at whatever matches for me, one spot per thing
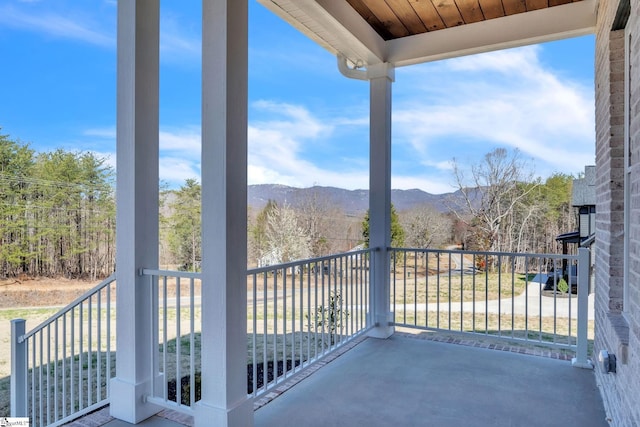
(137, 203)
(381, 77)
(224, 216)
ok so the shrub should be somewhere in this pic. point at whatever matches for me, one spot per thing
(563, 286)
(330, 318)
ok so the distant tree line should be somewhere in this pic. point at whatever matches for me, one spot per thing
(57, 213)
(57, 216)
(501, 208)
(277, 233)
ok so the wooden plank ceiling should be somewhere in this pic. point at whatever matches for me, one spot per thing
(393, 19)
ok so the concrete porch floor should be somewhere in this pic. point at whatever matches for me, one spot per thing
(404, 381)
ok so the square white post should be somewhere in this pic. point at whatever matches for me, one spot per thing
(224, 216)
(137, 204)
(381, 77)
(19, 367)
(584, 265)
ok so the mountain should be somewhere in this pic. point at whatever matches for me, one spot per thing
(352, 202)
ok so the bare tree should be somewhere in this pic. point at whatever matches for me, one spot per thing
(495, 191)
(287, 241)
(318, 218)
(425, 227)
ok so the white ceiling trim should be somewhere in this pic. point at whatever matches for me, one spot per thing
(336, 26)
(554, 23)
(349, 35)
(355, 25)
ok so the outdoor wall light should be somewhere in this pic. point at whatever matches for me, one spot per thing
(607, 361)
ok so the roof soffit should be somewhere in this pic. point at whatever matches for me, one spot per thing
(335, 25)
(538, 26)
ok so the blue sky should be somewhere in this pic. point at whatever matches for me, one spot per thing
(308, 125)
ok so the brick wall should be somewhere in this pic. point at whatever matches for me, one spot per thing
(634, 278)
(615, 332)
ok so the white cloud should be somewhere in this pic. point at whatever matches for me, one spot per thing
(461, 108)
(434, 186)
(108, 132)
(278, 144)
(277, 151)
(177, 43)
(446, 165)
(292, 120)
(502, 61)
(185, 141)
(179, 151)
(506, 99)
(175, 170)
(79, 28)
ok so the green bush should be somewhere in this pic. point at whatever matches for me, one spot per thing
(563, 286)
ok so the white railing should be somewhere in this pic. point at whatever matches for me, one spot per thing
(61, 369)
(301, 311)
(297, 313)
(176, 320)
(495, 294)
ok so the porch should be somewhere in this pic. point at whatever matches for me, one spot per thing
(303, 314)
(426, 378)
(294, 316)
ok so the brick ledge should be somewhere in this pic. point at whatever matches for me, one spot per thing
(618, 324)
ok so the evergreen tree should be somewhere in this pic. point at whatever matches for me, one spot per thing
(16, 162)
(397, 232)
(186, 226)
(57, 213)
